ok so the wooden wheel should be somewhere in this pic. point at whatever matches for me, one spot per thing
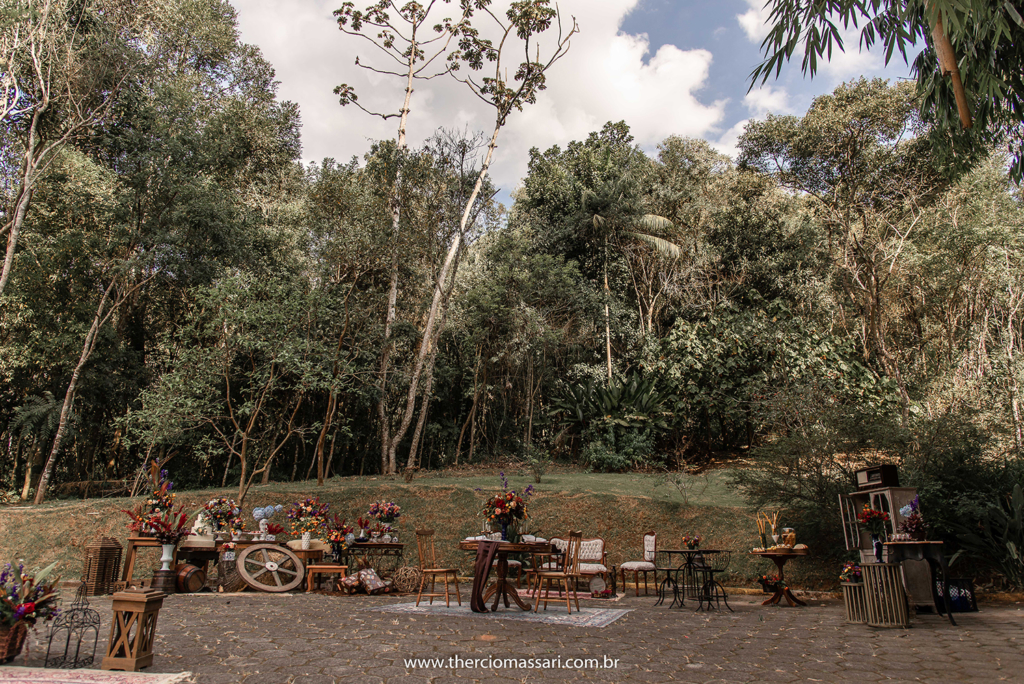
(269, 567)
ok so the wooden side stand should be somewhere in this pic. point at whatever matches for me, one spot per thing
(134, 544)
(133, 630)
(780, 593)
(323, 569)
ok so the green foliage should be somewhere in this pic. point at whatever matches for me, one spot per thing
(631, 403)
(986, 39)
(998, 539)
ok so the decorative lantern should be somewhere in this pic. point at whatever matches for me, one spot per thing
(133, 629)
(72, 628)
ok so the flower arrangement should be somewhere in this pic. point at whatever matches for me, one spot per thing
(913, 524)
(771, 583)
(308, 515)
(266, 512)
(874, 521)
(339, 525)
(692, 542)
(507, 506)
(275, 529)
(237, 525)
(221, 512)
(363, 526)
(24, 597)
(170, 526)
(161, 499)
(139, 519)
(850, 573)
(385, 511)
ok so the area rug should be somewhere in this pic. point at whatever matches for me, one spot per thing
(528, 595)
(38, 675)
(585, 617)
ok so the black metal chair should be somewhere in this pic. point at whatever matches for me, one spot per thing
(663, 563)
(711, 590)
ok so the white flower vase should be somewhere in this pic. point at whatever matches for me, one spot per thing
(306, 536)
(167, 556)
(263, 528)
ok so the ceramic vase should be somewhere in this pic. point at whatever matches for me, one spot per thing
(306, 536)
(350, 538)
(876, 543)
(504, 531)
(167, 556)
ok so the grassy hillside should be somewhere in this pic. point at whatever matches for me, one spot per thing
(619, 508)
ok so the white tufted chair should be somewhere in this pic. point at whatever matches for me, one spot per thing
(645, 566)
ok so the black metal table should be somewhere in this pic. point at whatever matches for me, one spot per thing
(688, 567)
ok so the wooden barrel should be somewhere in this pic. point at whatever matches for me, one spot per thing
(189, 578)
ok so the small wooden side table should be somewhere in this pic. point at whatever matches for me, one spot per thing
(784, 593)
(135, 543)
(324, 569)
(930, 551)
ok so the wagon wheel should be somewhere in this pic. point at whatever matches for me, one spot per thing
(268, 567)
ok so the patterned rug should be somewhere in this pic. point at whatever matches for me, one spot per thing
(38, 675)
(585, 617)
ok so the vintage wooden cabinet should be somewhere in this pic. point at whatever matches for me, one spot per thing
(917, 577)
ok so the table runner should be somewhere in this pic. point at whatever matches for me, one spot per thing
(485, 553)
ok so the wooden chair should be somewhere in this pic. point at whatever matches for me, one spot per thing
(428, 568)
(645, 566)
(565, 578)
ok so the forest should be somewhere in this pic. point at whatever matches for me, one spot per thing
(179, 287)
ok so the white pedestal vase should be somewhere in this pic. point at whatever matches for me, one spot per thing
(167, 556)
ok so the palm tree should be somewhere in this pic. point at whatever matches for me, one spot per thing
(612, 209)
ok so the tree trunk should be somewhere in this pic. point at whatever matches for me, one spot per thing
(607, 314)
(69, 396)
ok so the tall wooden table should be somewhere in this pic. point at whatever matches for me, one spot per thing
(782, 591)
(134, 544)
(503, 589)
(930, 551)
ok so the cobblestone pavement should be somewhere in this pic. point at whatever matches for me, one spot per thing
(319, 639)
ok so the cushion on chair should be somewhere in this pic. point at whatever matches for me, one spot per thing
(650, 546)
(512, 563)
(637, 565)
(588, 568)
(592, 550)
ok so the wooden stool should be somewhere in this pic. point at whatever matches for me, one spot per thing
(324, 569)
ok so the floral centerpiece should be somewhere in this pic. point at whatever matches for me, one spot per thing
(913, 525)
(306, 517)
(507, 508)
(339, 536)
(874, 521)
(24, 600)
(169, 529)
(364, 529)
(692, 542)
(273, 529)
(263, 515)
(385, 511)
(221, 512)
(850, 572)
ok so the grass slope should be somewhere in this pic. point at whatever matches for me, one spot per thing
(618, 507)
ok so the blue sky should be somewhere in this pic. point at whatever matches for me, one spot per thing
(666, 67)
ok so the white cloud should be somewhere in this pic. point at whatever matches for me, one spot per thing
(754, 21)
(727, 142)
(767, 100)
(603, 78)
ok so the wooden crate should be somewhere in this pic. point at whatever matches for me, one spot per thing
(885, 597)
(102, 566)
(855, 601)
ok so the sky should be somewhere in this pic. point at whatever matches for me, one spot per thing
(666, 67)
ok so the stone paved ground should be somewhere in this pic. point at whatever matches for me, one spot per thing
(319, 639)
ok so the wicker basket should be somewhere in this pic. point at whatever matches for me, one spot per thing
(11, 640)
(102, 562)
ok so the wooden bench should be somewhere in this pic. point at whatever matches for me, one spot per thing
(322, 569)
(593, 559)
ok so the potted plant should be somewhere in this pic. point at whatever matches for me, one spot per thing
(262, 517)
(850, 573)
(385, 512)
(692, 542)
(771, 584)
(308, 516)
(24, 600)
(339, 536)
(273, 529)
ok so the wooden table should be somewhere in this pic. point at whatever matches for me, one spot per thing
(503, 589)
(930, 551)
(325, 569)
(135, 543)
(781, 593)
